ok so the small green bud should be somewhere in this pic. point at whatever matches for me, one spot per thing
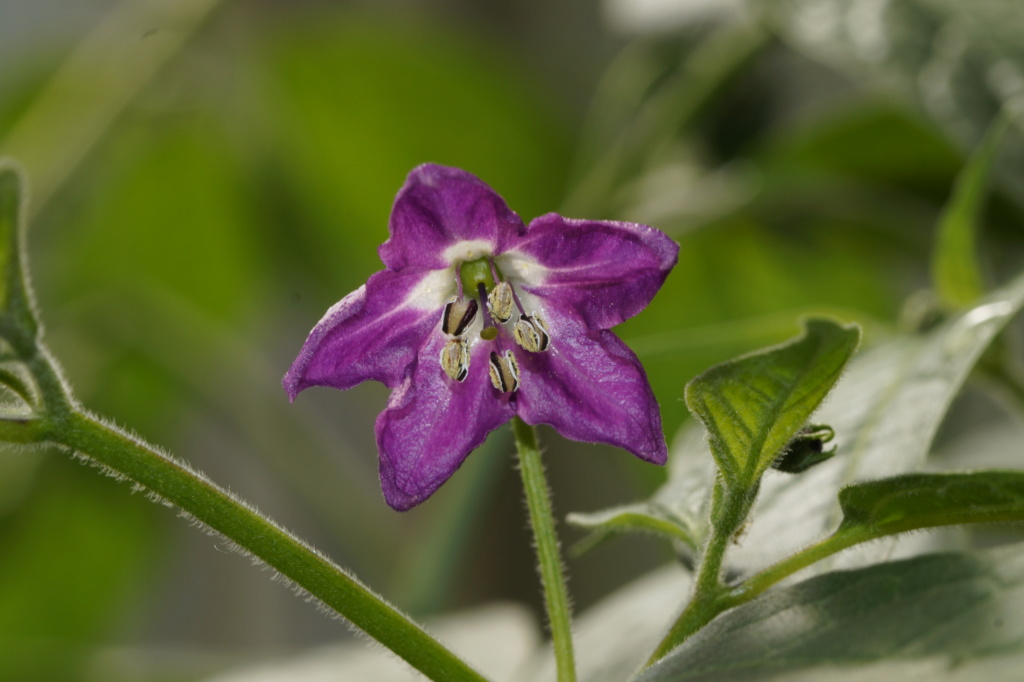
(807, 449)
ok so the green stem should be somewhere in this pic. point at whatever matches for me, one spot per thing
(759, 582)
(66, 424)
(729, 510)
(712, 598)
(552, 578)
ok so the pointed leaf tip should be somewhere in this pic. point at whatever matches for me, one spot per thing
(753, 406)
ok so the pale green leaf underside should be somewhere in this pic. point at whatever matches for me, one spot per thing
(945, 616)
(753, 405)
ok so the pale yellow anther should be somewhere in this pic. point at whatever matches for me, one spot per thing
(501, 302)
(457, 316)
(532, 333)
(504, 372)
(455, 359)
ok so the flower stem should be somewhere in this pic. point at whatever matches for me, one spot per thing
(549, 561)
(63, 422)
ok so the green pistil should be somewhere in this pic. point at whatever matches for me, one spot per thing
(475, 273)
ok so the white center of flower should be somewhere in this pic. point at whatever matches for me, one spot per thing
(482, 284)
(432, 291)
(468, 251)
(520, 269)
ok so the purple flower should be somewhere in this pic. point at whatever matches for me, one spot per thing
(477, 318)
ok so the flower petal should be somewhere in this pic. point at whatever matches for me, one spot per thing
(606, 272)
(591, 387)
(442, 215)
(432, 423)
(372, 333)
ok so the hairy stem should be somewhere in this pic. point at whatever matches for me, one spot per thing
(712, 598)
(64, 423)
(549, 560)
(729, 510)
(759, 582)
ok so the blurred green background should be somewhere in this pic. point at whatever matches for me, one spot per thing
(209, 177)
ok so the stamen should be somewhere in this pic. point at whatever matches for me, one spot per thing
(489, 332)
(504, 371)
(455, 359)
(458, 281)
(500, 300)
(458, 314)
(519, 304)
(532, 333)
(515, 297)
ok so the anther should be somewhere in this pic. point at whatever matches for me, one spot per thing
(532, 333)
(458, 314)
(504, 371)
(501, 301)
(455, 359)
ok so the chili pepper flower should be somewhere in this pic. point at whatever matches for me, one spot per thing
(477, 318)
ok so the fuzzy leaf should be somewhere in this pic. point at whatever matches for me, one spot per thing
(904, 503)
(754, 405)
(885, 413)
(945, 616)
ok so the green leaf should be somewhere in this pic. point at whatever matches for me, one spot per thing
(885, 413)
(677, 511)
(955, 268)
(644, 517)
(903, 503)
(754, 405)
(946, 616)
(958, 62)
